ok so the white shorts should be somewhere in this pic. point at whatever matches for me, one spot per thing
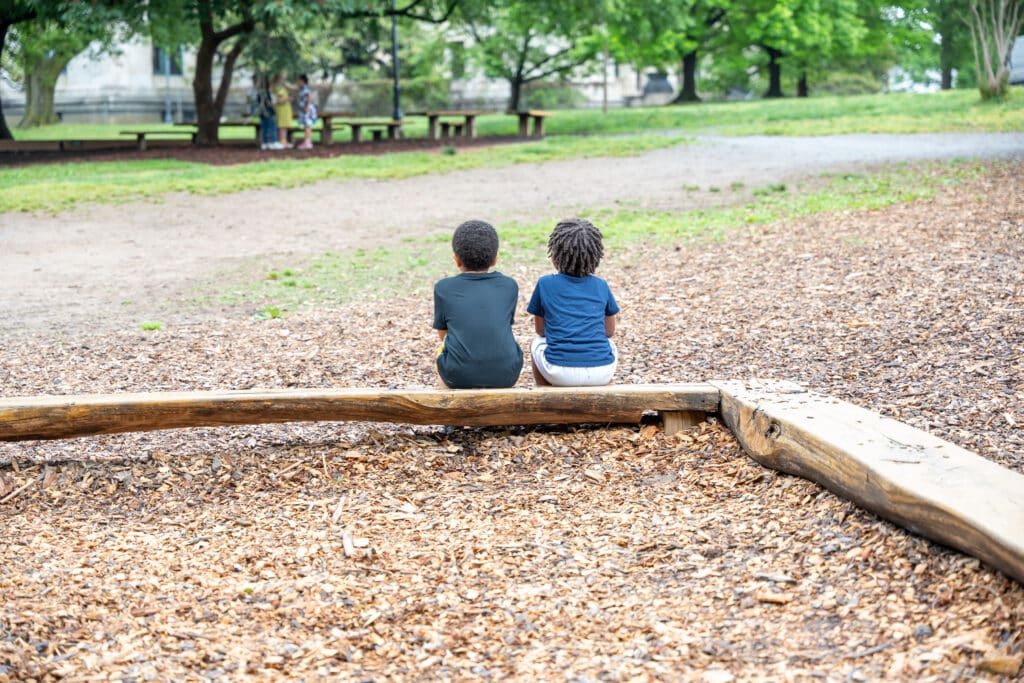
(560, 376)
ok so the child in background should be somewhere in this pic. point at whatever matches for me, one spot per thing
(574, 312)
(473, 315)
(306, 112)
(265, 110)
(282, 108)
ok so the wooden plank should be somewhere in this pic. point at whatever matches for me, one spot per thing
(55, 417)
(673, 421)
(30, 145)
(930, 486)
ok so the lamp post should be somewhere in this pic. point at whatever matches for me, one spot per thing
(165, 63)
(396, 114)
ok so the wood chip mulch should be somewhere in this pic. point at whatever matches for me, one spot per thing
(605, 553)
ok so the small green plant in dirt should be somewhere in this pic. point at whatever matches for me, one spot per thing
(268, 313)
(449, 151)
(714, 188)
(736, 186)
(774, 188)
(691, 188)
(152, 326)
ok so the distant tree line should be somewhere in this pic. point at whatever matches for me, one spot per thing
(717, 46)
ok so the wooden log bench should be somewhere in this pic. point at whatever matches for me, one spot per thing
(929, 486)
(525, 117)
(140, 135)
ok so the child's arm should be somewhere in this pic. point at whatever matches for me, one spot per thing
(441, 334)
(609, 325)
(538, 325)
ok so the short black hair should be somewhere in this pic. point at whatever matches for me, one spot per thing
(304, 78)
(476, 245)
(575, 247)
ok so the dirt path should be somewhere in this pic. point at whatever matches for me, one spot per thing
(99, 264)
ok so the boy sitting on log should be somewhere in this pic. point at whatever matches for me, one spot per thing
(473, 315)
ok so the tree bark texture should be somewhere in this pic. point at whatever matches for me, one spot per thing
(801, 85)
(209, 107)
(688, 89)
(774, 73)
(5, 132)
(994, 25)
(40, 84)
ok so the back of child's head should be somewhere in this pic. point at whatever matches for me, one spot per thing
(575, 247)
(476, 245)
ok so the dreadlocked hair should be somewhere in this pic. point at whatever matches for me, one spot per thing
(575, 247)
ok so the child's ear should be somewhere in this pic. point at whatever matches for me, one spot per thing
(458, 261)
(495, 261)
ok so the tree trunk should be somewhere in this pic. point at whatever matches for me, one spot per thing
(774, 73)
(40, 83)
(5, 132)
(946, 61)
(207, 115)
(688, 91)
(801, 85)
(209, 107)
(515, 93)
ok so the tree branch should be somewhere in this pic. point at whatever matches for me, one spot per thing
(229, 67)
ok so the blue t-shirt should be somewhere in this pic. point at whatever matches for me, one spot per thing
(574, 309)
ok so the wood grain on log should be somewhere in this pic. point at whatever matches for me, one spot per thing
(56, 417)
(930, 486)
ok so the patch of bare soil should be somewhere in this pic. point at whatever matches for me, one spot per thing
(375, 552)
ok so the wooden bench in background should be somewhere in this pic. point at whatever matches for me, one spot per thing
(463, 125)
(390, 127)
(524, 122)
(140, 135)
(70, 145)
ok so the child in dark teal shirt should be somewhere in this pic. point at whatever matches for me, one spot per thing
(473, 315)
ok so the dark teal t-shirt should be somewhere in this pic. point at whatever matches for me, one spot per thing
(478, 310)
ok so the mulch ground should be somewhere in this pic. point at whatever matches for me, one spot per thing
(234, 152)
(384, 552)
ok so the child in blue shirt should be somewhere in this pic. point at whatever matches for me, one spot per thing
(574, 312)
(473, 315)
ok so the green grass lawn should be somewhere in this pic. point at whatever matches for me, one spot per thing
(413, 265)
(955, 110)
(50, 187)
(572, 134)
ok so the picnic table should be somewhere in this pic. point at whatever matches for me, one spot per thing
(327, 133)
(140, 135)
(393, 128)
(466, 127)
(524, 122)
